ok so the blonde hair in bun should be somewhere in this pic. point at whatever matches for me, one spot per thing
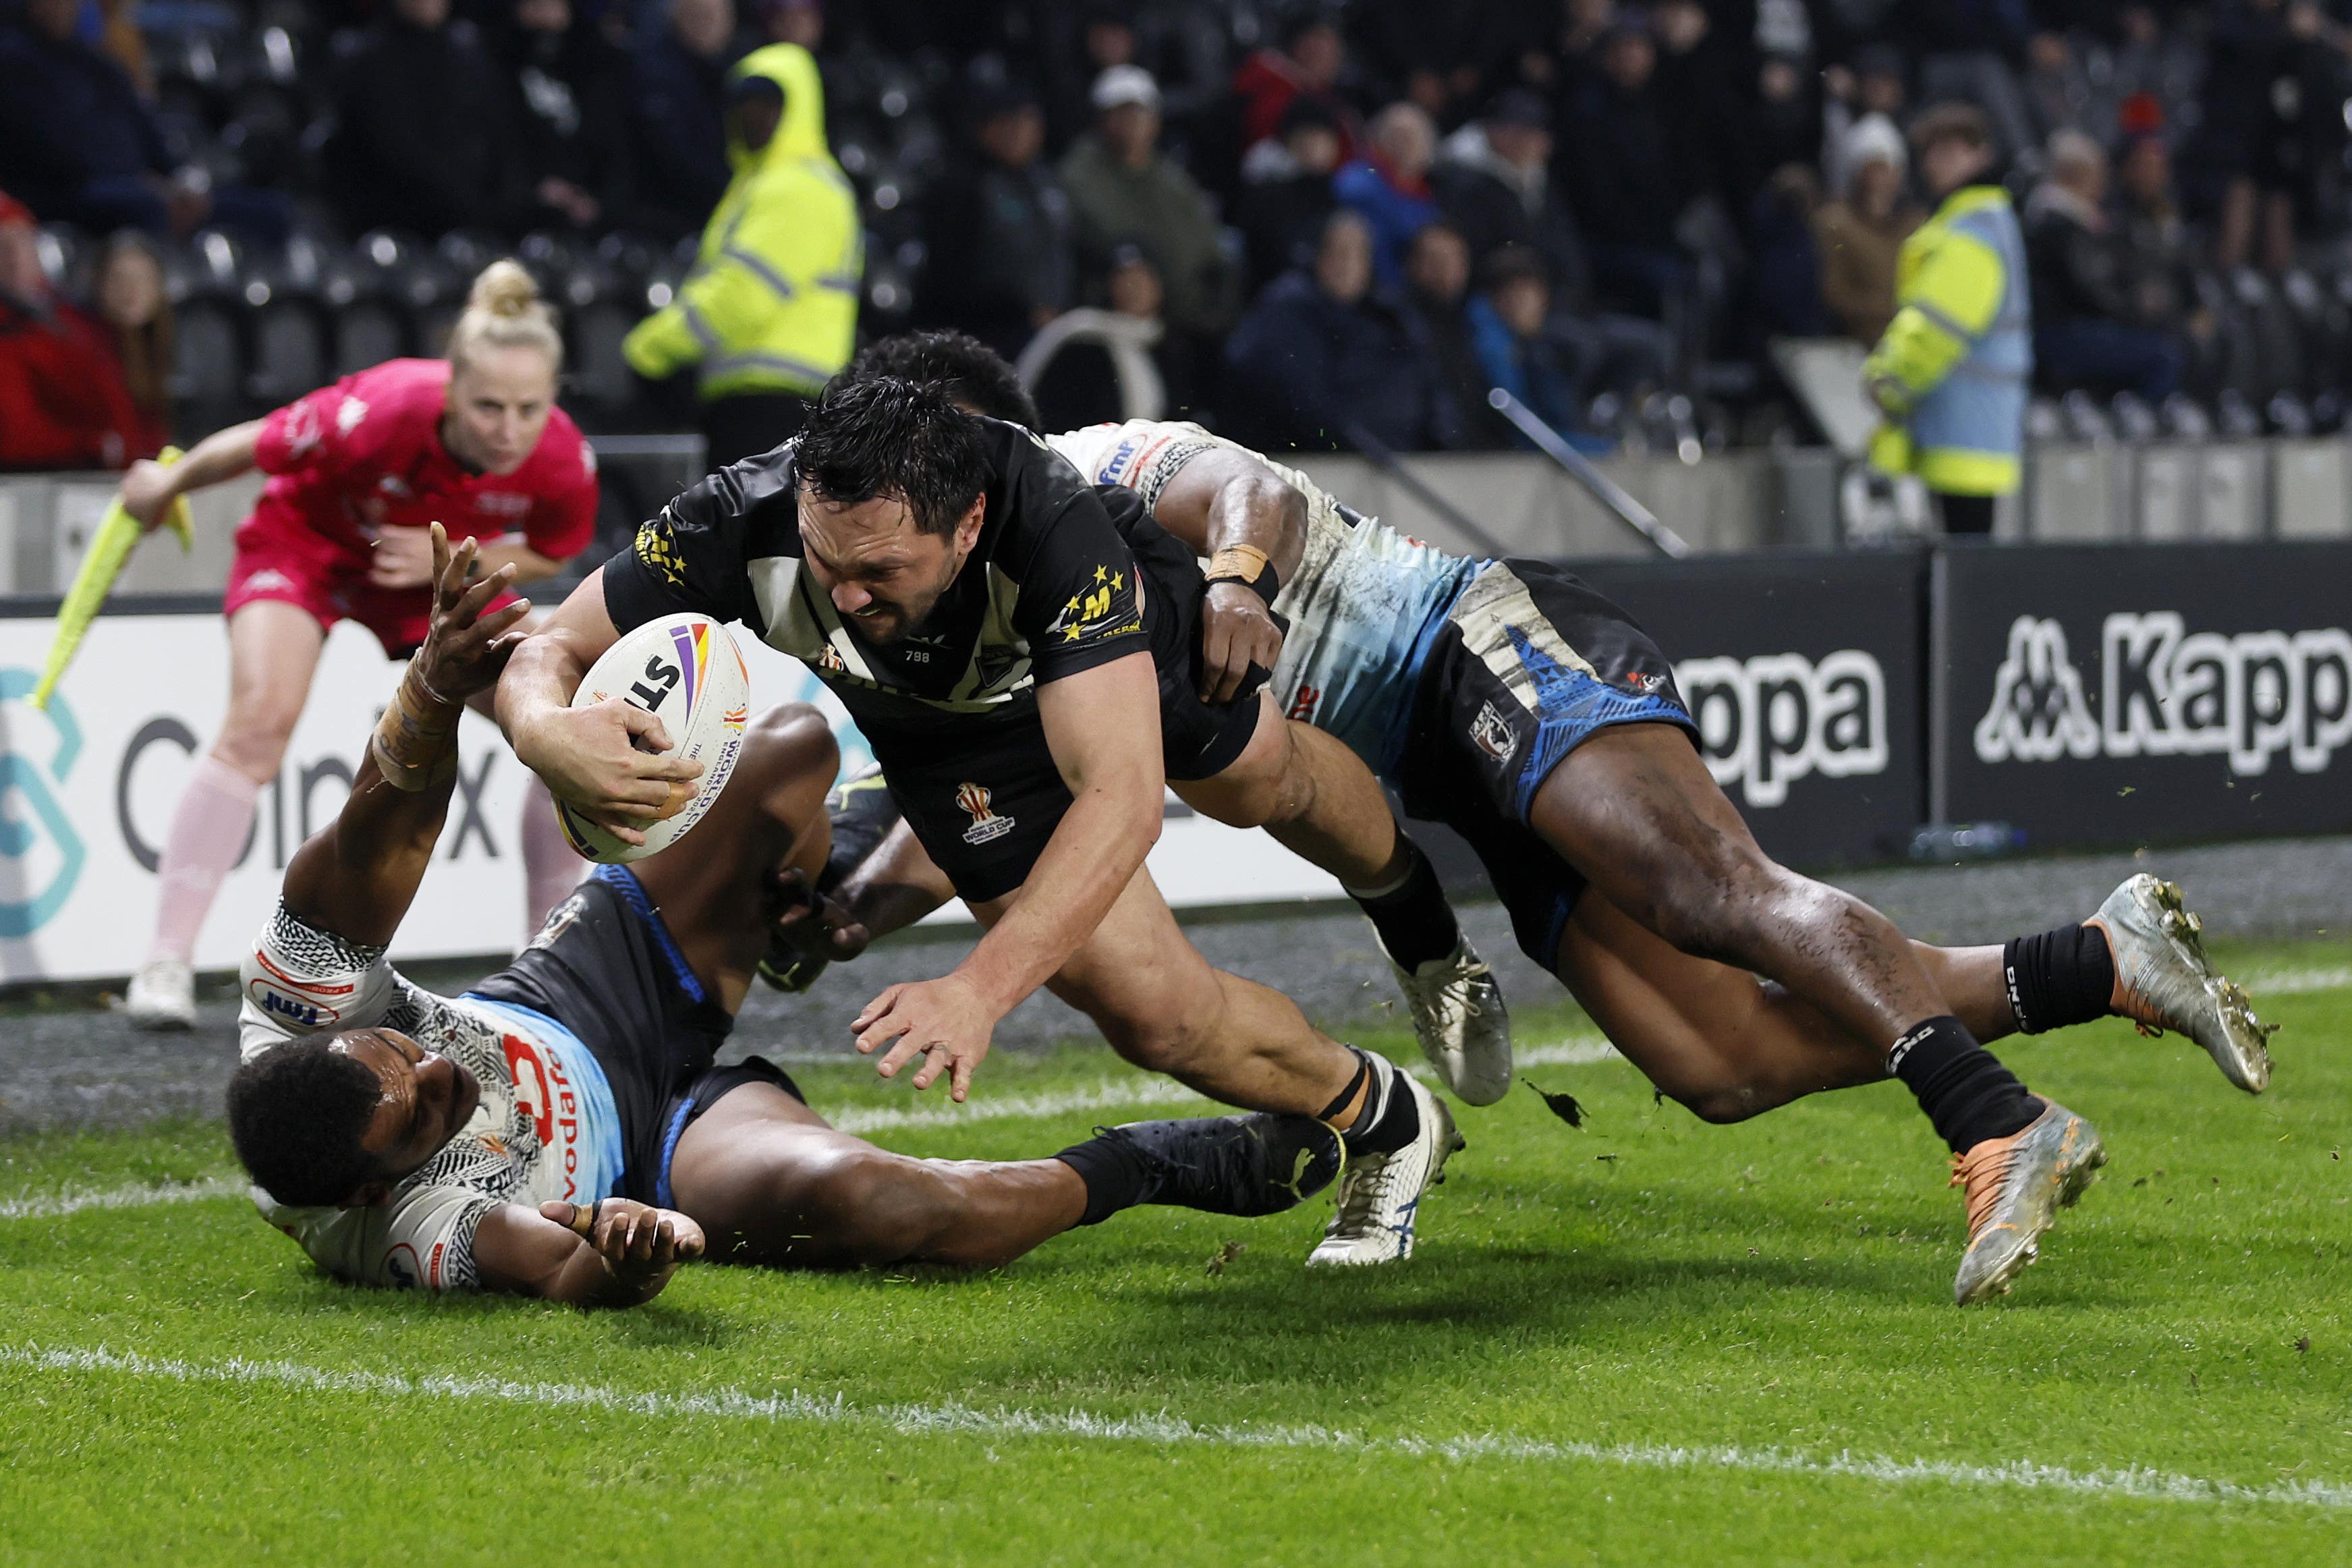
(504, 310)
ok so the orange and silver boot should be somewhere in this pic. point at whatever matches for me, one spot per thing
(2015, 1187)
(2164, 981)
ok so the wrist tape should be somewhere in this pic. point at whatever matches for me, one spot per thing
(415, 741)
(1248, 566)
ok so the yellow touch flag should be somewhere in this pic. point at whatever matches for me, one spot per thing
(109, 549)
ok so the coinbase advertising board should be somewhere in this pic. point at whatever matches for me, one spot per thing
(88, 788)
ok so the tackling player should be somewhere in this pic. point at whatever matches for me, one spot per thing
(1508, 700)
(357, 469)
(1005, 649)
(563, 1130)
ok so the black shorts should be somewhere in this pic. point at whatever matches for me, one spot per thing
(985, 804)
(1529, 664)
(604, 966)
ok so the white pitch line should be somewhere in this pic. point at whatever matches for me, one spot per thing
(2136, 1482)
(2292, 982)
(1104, 1096)
(144, 1196)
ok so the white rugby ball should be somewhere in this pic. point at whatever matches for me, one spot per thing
(685, 672)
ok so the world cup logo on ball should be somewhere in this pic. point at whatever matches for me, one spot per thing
(986, 825)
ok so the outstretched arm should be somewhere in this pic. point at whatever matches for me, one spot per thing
(1252, 524)
(357, 878)
(150, 488)
(615, 1253)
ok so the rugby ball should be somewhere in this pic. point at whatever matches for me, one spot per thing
(685, 670)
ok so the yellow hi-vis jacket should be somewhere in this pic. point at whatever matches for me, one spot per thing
(1951, 374)
(772, 303)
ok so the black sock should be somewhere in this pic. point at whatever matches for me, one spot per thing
(2061, 977)
(1963, 1087)
(1388, 1119)
(1115, 1173)
(1416, 923)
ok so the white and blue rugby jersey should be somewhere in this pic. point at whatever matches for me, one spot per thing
(1363, 604)
(547, 1126)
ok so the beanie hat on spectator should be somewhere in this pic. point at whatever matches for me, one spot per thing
(1518, 106)
(1123, 85)
(1873, 139)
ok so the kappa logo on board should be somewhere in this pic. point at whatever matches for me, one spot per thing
(2165, 690)
(1770, 720)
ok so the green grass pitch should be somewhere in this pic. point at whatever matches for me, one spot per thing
(1650, 1341)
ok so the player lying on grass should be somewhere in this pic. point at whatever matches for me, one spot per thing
(563, 1130)
(1507, 699)
(1010, 653)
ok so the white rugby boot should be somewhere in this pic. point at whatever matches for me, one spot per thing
(2164, 981)
(162, 995)
(1459, 1016)
(1380, 1194)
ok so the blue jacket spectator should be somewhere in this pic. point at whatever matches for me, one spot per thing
(1520, 355)
(680, 92)
(1389, 188)
(1322, 355)
(77, 144)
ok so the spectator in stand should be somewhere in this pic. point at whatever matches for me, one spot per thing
(77, 145)
(1182, 46)
(1124, 190)
(1495, 187)
(679, 89)
(2085, 333)
(1972, 52)
(1441, 55)
(1511, 321)
(1784, 262)
(1322, 355)
(769, 312)
(2159, 253)
(998, 228)
(1308, 64)
(128, 293)
(1494, 181)
(62, 401)
(1389, 188)
(1286, 191)
(1873, 85)
(1437, 291)
(419, 108)
(1625, 183)
(567, 99)
(1094, 365)
(1949, 375)
(1704, 87)
(1859, 234)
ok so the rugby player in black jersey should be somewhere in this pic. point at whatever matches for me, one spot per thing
(1004, 648)
(563, 1129)
(1511, 702)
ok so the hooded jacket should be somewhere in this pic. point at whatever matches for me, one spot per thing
(772, 303)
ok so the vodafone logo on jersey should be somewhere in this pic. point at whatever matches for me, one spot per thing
(544, 1092)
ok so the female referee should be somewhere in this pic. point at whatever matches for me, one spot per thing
(357, 470)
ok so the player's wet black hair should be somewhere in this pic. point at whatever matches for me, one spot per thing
(967, 370)
(886, 436)
(296, 1113)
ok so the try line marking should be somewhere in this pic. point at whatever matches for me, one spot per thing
(2137, 1482)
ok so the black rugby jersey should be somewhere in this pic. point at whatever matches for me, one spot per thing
(1049, 590)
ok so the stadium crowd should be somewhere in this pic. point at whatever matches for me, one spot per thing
(1303, 225)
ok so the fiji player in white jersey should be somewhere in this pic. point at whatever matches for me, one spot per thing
(1512, 702)
(565, 1128)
